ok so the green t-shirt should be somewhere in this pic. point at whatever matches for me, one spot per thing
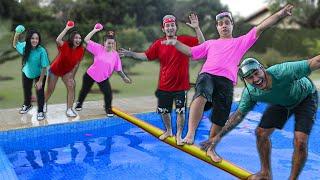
(37, 60)
(290, 86)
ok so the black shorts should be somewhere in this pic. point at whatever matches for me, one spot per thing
(166, 98)
(276, 116)
(218, 91)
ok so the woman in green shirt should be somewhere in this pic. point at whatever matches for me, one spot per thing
(34, 67)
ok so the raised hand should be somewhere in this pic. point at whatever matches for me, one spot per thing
(19, 29)
(98, 27)
(70, 24)
(125, 53)
(194, 22)
(286, 11)
(205, 145)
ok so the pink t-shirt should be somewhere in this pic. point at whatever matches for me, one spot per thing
(224, 55)
(104, 63)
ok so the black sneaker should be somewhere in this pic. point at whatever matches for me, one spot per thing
(41, 116)
(24, 109)
(109, 112)
(78, 107)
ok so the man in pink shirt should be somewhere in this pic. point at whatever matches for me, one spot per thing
(214, 86)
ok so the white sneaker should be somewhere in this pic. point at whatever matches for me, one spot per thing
(24, 109)
(41, 116)
(71, 113)
(45, 108)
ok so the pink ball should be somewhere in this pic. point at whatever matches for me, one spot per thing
(70, 23)
(98, 26)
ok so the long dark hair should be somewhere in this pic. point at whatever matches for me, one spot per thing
(28, 47)
(110, 35)
(71, 38)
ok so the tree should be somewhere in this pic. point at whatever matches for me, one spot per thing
(306, 12)
(8, 8)
(206, 11)
(131, 38)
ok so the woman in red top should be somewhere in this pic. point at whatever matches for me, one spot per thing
(65, 66)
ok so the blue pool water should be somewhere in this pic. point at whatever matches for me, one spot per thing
(116, 149)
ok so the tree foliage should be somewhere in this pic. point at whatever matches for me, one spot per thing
(306, 12)
(8, 8)
(138, 22)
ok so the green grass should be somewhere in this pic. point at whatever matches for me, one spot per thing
(144, 82)
(11, 92)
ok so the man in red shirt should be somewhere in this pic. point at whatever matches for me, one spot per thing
(174, 71)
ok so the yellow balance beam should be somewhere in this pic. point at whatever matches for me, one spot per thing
(190, 149)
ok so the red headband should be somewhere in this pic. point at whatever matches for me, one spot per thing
(168, 20)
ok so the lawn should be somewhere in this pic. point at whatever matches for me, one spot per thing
(145, 78)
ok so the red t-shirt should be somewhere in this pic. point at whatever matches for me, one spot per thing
(67, 59)
(174, 65)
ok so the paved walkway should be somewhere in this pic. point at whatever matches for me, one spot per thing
(11, 119)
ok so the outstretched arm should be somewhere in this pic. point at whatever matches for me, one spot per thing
(314, 63)
(273, 19)
(194, 23)
(128, 53)
(62, 34)
(183, 48)
(232, 122)
(179, 45)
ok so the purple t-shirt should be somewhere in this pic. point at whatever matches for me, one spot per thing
(104, 63)
(224, 55)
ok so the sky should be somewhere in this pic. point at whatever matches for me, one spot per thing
(244, 8)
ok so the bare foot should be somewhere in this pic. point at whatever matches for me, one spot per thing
(165, 135)
(213, 155)
(206, 144)
(189, 139)
(259, 176)
(179, 140)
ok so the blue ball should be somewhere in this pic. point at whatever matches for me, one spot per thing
(20, 29)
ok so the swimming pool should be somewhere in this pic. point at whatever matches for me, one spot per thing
(115, 149)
